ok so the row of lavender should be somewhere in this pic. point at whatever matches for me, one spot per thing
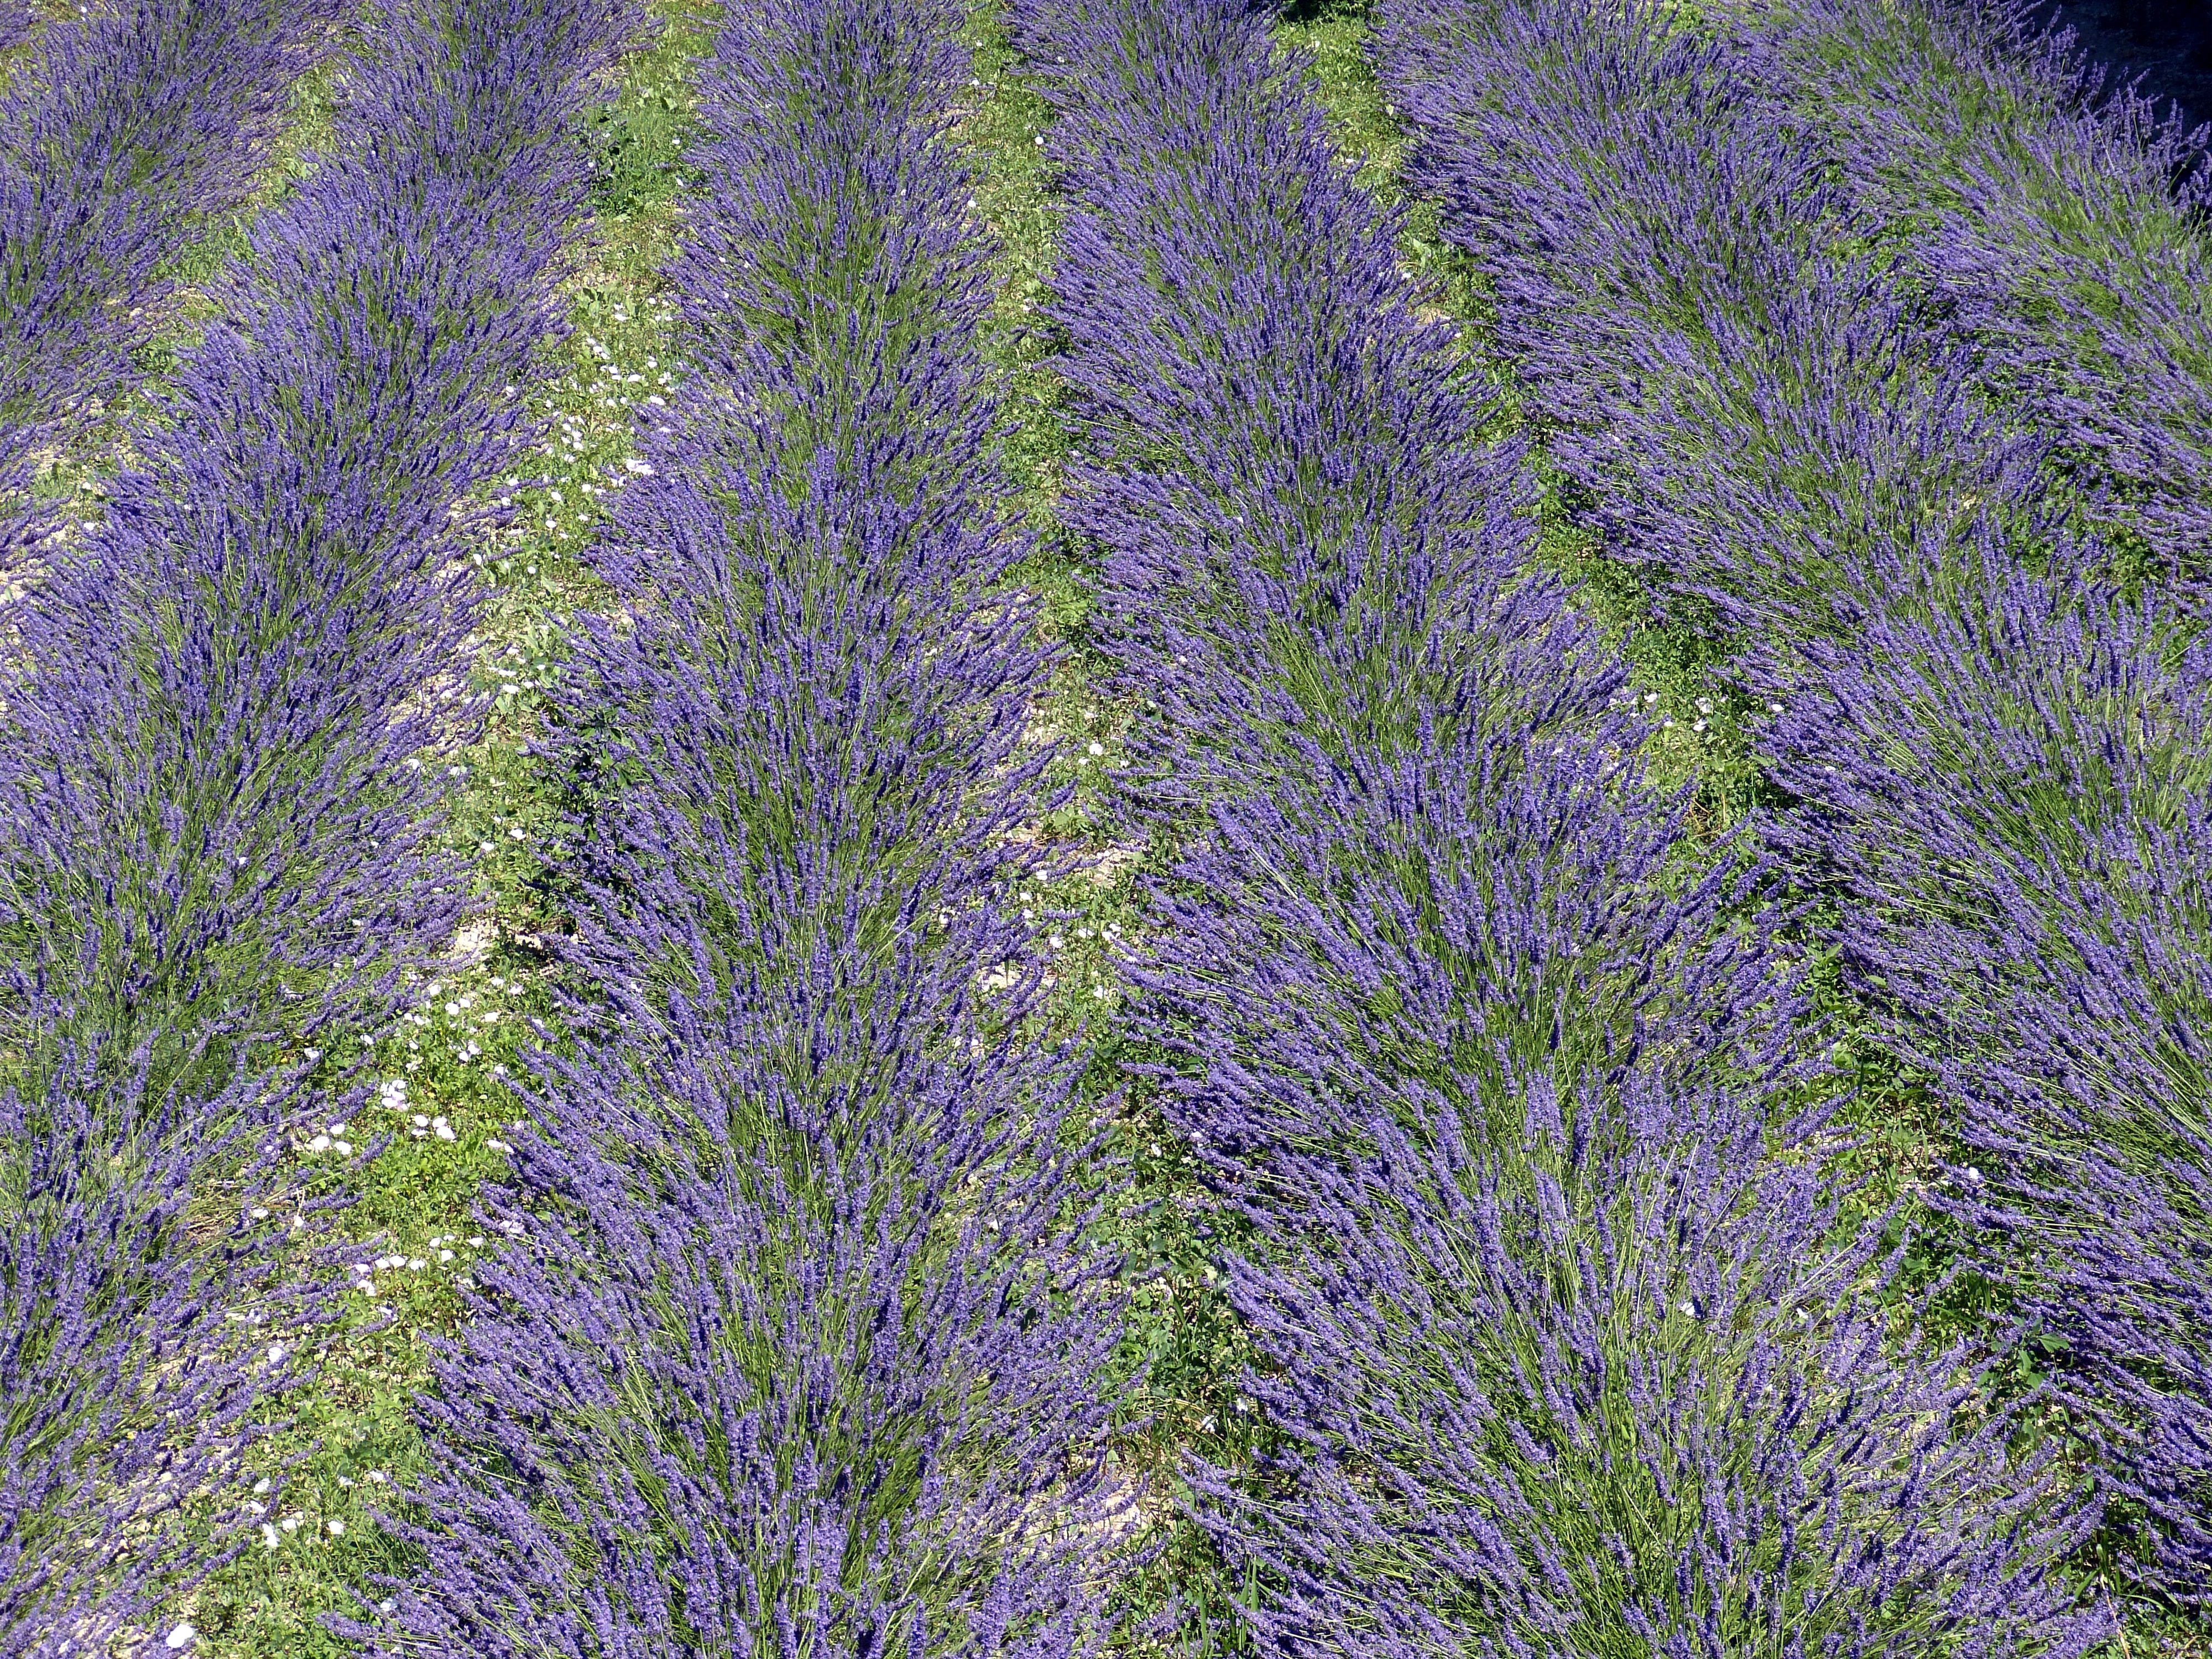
(799, 1347)
(2048, 208)
(122, 134)
(227, 707)
(1893, 473)
(1565, 1349)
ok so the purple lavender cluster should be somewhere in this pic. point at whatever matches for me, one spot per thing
(121, 131)
(144, 1320)
(228, 710)
(1758, 405)
(1563, 1345)
(1996, 755)
(231, 703)
(2055, 216)
(798, 1346)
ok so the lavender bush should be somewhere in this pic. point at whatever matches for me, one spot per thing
(2014, 800)
(2055, 214)
(124, 129)
(1606, 1387)
(798, 1349)
(1302, 527)
(1989, 747)
(1757, 405)
(144, 1319)
(230, 713)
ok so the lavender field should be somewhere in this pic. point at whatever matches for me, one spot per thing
(1103, 827)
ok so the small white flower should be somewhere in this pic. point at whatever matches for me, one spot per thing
(268, 1536)
(262, 1484)
(180, 1637)
(1096, 749)
(344, 1148)
(276, 1357)
(319, 1144)
(338, 1529)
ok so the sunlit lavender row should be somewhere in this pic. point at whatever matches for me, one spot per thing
(802, 1351)
(226, 705)
(1568, 1348)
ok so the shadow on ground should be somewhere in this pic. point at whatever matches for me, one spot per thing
(2168, 43)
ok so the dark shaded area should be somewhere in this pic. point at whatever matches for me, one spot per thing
(2168, 43)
